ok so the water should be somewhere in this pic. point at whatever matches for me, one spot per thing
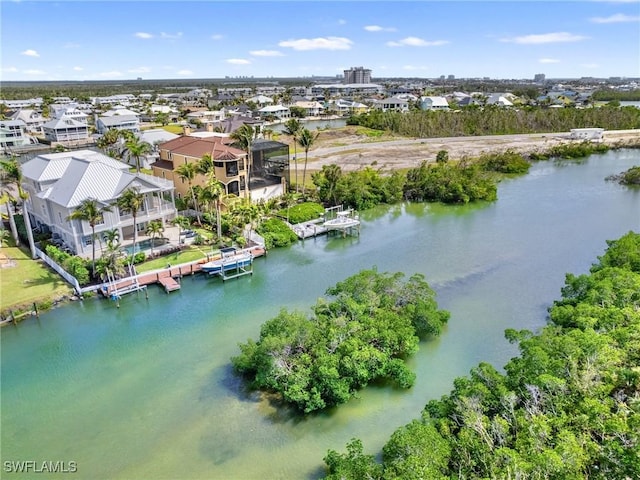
(629, 103)
(146, 391)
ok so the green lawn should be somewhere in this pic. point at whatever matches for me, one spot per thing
(28, 281)
(185, 256)
(177, 129)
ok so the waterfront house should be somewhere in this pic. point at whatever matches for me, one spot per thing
(311, 108)
(274, 111)
(58, 182)
(230, 163)
(260, 100)
(32, 119)
(130, 123)
(69, 125)
(392, 104)
(13, 134)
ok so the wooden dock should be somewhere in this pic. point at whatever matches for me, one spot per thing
(169, 283)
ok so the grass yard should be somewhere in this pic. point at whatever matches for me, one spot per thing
(177, 129)
(192, 254)
(28, 281)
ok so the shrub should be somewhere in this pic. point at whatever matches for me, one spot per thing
(276, 233)
(304, 212)
(506, 162)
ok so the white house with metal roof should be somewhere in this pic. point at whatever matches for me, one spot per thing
(13, 134)
(434, 103)
(119, 122)
(59, 182)
(277, 111)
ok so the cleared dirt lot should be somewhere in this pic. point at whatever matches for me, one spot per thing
(350, 150)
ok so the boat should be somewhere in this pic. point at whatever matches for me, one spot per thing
(344, 220)
(231, 260)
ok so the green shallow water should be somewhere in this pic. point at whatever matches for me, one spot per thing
(146, 391)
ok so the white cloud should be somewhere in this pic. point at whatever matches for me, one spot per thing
(217, 36)
(416, 42)
(30, 53)
(184, 72)
(238, 61)
(266, 53)
(10, 69)
(320, 43)
(34, 72)
(556, 37)
(548, 60)
(170, 35)
(143, 35)
(78, 69)
(378, 28)
(139, 70)
(617, 18)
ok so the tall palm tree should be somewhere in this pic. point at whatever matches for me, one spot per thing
(108, 141)
(292, 127)
(12, 174)
(306, 139)
(212, 193)
(136, 148)
(244, 137)
(131, 200)
(112, 238)
(246, 213)
(206, 166)
(90, 211)
(154, 229)
(188, 172)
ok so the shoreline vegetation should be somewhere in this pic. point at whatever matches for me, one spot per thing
(566, 407)
(442, 180)
(361, 332)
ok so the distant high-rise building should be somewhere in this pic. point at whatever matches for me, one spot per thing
(539, 78)
(451, 77)
(357, 75)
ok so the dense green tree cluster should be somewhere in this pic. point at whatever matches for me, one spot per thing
(304, 212)
(360, 189)
(449, 183)
(628, 177)
(509, 162)
(494, 120)
(570, 150)
(567, 408)
(360, 333)
(276, 233)
(609, 94)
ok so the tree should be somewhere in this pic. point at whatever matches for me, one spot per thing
(136, 148)
(131, 200)
(188, 172)
(108, 140)
(244, 137)
(246, 213)
(162, 118)
(89, 210)
(112, 238)
(292, 128)
(12, 175)
(206, 165)
(154, 229)
(327, 181)
(212, 193)
(306, 140)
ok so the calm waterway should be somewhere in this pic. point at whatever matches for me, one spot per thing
(146, 391)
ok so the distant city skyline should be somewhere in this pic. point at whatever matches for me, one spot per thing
(122, 40)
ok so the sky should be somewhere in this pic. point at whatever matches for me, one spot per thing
(118, 40)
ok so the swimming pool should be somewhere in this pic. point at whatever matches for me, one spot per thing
(145, 245)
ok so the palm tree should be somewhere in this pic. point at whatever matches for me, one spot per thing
(132, 201)
(292, 127)
(4, 237)
(244, 137)
(182, 222)
(112, 238)
(246, 213)
(206, 166)
(90, 211)
(306, 139)
(136, 148)
(188, 171)
(108, 140)
(212, 193)
(154, 229)
(12, 174)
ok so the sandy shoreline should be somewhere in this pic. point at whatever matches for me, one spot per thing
(352, 152)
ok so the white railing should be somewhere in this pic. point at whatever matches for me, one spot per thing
(61, 271)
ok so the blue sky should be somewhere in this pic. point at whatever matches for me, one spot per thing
(93, 40)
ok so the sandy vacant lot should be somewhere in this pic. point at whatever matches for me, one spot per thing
(352, 151)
